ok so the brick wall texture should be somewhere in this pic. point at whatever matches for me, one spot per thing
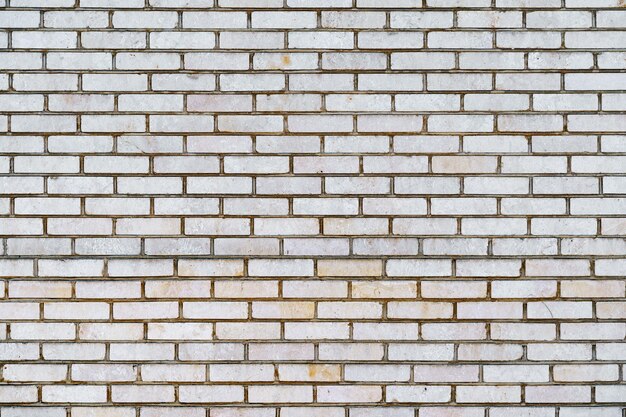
(312, 208)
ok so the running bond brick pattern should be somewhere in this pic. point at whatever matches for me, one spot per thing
(312, 208)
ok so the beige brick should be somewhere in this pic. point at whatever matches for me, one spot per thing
(349, 268)
(398, 289)
(243, 331)
(187, 331)
(278, 310)
(310, 372)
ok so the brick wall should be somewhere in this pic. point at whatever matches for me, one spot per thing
(312, 208)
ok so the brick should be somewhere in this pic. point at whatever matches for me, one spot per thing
(546, 60)
(215, 19)
(325, 82)
(109, 82)
(355, 393)
(110, 331)
(142, 394)
(251, 40)
(326, 40)
(400, 289)
(287, 20)
(349, 310)
(223, 372)
(143, 351)
(20, 19)
(419, 394)
(300, 289)
(465, 40)
(417, 19)
(422, 351)
(124, 19)
(50, 331)
(490, 19)
(289, 394)
(456, 331)
(601, 39)
(112, 40)
(309, 372)
(528, 39)
(277, 351)
(27, 289)
(488, 394)
(240, 331)
(76, 351)
(361, 20)
(115, 372)
(353, 61)
(87, 394)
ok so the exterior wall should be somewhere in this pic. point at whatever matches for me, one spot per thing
(312, 208)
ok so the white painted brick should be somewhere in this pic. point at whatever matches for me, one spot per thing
(528, 39)
(75, 19)
(251, 40)
(596, 40)
(216, 60)
(216, 19)
(317, 40)
(562, 19)
(353, 61)
(113, 40)
(488, 394)
(546, 60)
(114, 82)
(417, 19)
(353, 20)
(116, 372)
(229, 373)
(611, 60)
(419, 394)
(286, 20)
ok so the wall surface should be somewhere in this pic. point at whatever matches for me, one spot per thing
(312, 208)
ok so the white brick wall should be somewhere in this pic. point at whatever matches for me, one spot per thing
(312, 208)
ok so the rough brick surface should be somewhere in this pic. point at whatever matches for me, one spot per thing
(312, 208)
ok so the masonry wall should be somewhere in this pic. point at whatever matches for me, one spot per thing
(312, 208)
